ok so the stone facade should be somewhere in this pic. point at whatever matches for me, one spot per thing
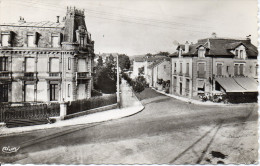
(46, 61)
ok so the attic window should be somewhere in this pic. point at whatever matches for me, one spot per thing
(5, 38)
(201, 52)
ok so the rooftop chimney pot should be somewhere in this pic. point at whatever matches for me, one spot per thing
(58, 21)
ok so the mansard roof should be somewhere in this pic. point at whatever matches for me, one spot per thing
(222, 47)
(45, 24)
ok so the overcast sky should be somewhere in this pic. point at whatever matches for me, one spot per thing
(138, 27)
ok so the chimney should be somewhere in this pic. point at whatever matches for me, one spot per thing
(186, 47)
(21, 20)
(58, 21)
(248, 37)
(214, 35)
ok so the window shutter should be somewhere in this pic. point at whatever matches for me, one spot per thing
(60, 39)
(10, 38)
(35, 41)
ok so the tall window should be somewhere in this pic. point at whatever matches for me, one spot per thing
(69, 90)
(236, 69)
(54, 92)
(4, 93)
(29, 64)
(175, 66)
(228, 69)
(236, 53)
(29, 92)
(31, 41)
(3, 64)
(69, 63)
(82, 65)
(241, 54)
(5, 39)
(187, 84)
(201, 52)
(81, 41)
(180, 68)
(55, 41)
(219, 69)
(54, 65)
(187, 68)
(201, 70)
(241, 69)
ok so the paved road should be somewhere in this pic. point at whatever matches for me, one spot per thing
(166, 131)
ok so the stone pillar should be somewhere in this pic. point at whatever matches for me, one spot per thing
(63, 110)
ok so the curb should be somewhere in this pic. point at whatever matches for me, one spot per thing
(193, 101)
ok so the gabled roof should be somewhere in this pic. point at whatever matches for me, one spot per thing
(46, 24)
(182, 46)
(158, 62)
(232, 46)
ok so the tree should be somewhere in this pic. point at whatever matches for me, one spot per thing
(124, 61)
(100, 61)
(141, 70)
(106, 77)
(138, 87)
(163, 53)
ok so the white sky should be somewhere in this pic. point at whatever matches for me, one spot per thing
(138, 27)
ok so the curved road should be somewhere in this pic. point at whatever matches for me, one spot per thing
(167, 131)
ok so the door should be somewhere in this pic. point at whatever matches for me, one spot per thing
(54, 92)
(4, 93)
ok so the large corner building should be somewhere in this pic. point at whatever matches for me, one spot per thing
(46, 61)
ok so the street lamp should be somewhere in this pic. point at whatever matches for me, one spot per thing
(117, 83)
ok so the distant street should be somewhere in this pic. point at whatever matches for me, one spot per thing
(167, 131)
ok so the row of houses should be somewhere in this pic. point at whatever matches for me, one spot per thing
(46, 61)
(211, 66)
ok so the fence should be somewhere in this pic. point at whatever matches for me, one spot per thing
(86, 104)
(28, 111)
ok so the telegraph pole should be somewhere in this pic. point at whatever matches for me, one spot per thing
(117, 83)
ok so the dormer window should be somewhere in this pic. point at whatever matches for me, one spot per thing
(180, 52)
(30, 41)
(201, 52)
(6, 38)
(56, 40)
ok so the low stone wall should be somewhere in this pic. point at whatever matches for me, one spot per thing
(91, 111)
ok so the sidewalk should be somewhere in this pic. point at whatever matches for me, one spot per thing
(130, 105)
(196, 101)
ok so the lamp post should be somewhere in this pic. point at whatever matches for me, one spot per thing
(117, 83)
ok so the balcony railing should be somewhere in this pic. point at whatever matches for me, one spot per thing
(54, 74)
(83, 74)
(187, 74)
(201, 74)
(180, 73)
(29, 74)
(5, 74)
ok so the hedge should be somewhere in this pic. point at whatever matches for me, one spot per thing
(94, 102)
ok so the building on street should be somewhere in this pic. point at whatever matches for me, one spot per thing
(216, 65)
(46, 61)
(159, 73)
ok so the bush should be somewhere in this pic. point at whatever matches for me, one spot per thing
(95, 93)
(95, 102)
(138, 87)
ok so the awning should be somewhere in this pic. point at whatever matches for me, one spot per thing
(249, 84)
(200, 84)
(238, 84)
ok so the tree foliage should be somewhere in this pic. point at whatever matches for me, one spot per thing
(124, 61)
